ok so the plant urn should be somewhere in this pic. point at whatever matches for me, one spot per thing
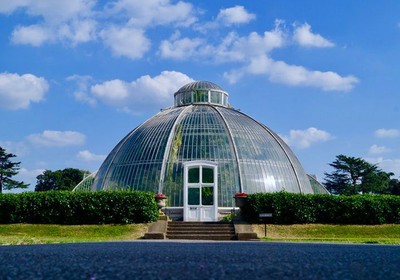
(160, 200)
(240, 199)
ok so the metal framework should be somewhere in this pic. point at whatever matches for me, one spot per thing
(202, 126)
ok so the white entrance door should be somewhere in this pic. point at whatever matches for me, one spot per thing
(200, 191)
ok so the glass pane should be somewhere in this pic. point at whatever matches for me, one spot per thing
(200, 96)
(207, 195)
(193, 196)
(208, 175)
(216, 97)
(194, 175)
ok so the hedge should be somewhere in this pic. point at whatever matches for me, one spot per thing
(289, 208)
(64, 207)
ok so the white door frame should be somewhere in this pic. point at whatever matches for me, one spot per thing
(188, 210)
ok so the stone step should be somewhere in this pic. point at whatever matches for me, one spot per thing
(199, 227)
(200, 231)
(203, 237)
(211, 224)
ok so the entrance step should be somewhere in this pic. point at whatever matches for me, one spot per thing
(200, 230)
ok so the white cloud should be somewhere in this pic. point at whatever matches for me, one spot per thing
(155, 12)
(184, 48)
(17, 148)
(28, 177)
(253, 52)
(142, 94)
(232, 48)
(19, 91)
(34, 35)
(235, 15)
(304, 37)
(293, 75)
(387, 133)
(51, 138)
(88, 156)
(60, 20)
(305, 138)
(51, 11)
(387, 165)
(78, 31)
(8, 7)
(126, 41)
(375, 149)
(82, 92)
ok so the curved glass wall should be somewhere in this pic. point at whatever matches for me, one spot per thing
(135, 163)
(250, 157)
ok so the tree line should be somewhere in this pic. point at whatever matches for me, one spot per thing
(350, 176)
(61, 180)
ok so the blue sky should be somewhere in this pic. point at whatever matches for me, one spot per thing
(78, 75)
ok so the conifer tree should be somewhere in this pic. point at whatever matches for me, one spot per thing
(8, 169)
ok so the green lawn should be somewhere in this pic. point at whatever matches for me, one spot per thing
(383, 234)
(40, 234)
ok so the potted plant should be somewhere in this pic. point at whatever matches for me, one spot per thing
(160, 200)
(240, 199)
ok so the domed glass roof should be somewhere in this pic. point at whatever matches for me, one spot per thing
(251, 158)
(201, 92)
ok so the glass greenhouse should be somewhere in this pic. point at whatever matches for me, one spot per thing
(202, 145)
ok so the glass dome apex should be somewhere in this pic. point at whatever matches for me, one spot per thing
(200, 85)
(201, 92)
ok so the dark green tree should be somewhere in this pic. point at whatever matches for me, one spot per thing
(65, 179)
(394, 187)
(353, 175)
(8, 169)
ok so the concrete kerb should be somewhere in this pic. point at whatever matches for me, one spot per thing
(244, 231)
(157, 230)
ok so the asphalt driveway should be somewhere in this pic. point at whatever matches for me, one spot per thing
(199, 260)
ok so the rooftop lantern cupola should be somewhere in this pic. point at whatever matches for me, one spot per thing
(201, 92)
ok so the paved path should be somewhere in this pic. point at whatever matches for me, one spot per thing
(200, 260)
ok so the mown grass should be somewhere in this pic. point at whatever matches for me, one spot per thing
(16, 234)
(380, 234)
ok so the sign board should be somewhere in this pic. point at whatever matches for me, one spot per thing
(265, 215)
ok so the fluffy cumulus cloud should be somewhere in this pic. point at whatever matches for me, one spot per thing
(87, 156)
(34, 35)
(387, 133)
(126, 41)
(155, 12)
(19, 91)
(304, 37)
(235, 15)
(305, 138)
(375, 149)
(253, 52)
(121, 25)
(82, 89)
(232, 48)
(52, 138)
(70, 20)
(142, 94)
(387, 164)
(293, 75)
